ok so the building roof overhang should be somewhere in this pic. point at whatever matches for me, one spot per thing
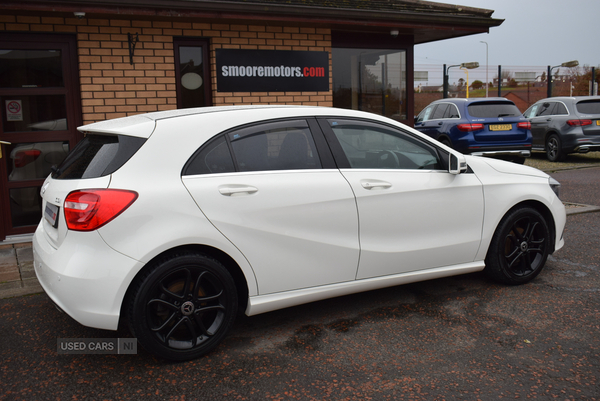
(425, 21)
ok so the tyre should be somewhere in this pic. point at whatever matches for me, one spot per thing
(446, 142)
(554, 151)
(183, 306)
(519, 247)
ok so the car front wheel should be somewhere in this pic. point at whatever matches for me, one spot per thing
(519, 247)
(183, 306)
(554, 151)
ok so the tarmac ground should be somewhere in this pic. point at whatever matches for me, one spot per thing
(461, 337)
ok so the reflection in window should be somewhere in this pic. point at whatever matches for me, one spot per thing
(191, 70)
(31, 69)
(371, 80)
(286, 148)
(375, 147)
(25, 206)
(34, 161)
(34, 113)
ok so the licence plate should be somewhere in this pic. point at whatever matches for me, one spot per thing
(597, 122)
(51, 214)
(501, 127)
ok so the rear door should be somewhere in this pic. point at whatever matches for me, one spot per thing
(413, 213)
(272, 189)
(541, 118)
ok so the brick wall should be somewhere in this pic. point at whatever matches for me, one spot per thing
(111, 87)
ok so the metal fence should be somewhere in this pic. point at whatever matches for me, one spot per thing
(524, 85)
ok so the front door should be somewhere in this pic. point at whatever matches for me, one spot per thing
(40, 103)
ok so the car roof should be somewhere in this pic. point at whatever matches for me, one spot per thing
(460, 100)
(143, 125)
(569, 98)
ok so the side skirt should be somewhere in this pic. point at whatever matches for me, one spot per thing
(270, 302)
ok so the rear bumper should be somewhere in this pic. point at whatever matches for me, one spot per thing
(84, 277)
(501, 152)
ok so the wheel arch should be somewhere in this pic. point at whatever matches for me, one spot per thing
(548, 134)
(230, 264)
(543, 210)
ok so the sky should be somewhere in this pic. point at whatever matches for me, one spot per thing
(534, 33)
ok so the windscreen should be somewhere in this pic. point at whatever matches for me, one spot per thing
(493, 109)
(97, 156)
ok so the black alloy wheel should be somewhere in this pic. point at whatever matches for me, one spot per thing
(519, 247)
(554, 151)
(183, 306)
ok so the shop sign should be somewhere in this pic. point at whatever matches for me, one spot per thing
(272, 71)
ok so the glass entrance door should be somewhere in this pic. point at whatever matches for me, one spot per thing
(40, 109)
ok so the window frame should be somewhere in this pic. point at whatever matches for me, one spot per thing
(204, 43)
(340, 155)
(322, 152)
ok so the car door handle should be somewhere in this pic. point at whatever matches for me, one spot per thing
(375, 184)
(236, 190)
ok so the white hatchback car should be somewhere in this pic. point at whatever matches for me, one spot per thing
(173, 221)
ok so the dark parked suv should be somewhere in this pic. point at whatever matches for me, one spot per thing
(563, 125)
(478, 126)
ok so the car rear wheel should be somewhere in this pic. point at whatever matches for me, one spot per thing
(183, 306)
(554, 151)
(519, 247)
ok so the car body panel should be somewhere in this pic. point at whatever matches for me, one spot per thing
(297, 228)
(404, 241)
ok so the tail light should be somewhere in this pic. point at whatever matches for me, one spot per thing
(24, 157)
(579, 123)
(89, 210)
(524, 125)
(469, 127)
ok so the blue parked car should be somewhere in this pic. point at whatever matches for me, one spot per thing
(479, 126)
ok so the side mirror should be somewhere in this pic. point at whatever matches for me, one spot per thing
(457, 163)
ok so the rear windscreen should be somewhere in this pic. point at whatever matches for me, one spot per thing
(97, 156)
(589, 107)
(493, 110)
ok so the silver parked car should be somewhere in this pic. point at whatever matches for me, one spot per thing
(563, 125)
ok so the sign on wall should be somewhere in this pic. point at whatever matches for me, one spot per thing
(272, 71)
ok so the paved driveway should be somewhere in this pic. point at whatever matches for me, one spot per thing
(455, 338)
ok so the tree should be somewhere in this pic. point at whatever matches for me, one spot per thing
(477, 84)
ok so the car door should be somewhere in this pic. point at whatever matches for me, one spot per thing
(430, 122)
(413, 213)
(541, 118)
(281, 202)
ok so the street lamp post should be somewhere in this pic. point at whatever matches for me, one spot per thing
(446, 73)
(469, 66)
(486, 68)
(567, 64)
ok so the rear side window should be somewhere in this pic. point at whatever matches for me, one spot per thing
(285, 145)
(97, 156)
(589, 107)
(493, 110)
(439, 111)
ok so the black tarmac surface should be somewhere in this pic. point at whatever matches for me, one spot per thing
(455, 338)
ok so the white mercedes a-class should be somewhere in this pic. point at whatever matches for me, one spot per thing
(173, 221)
